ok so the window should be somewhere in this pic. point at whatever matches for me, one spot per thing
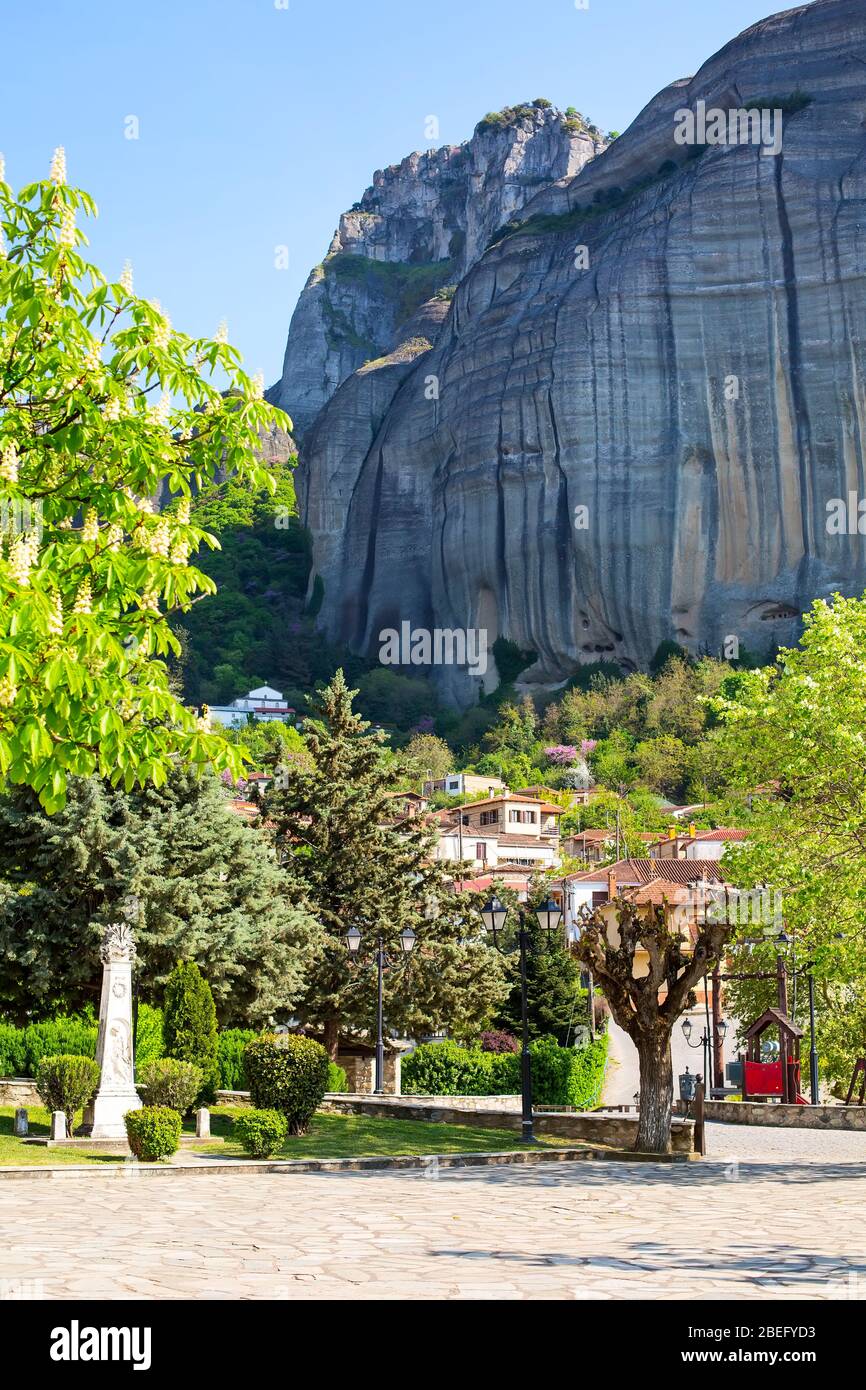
(489, 817)
(481, 851)
(514, 816)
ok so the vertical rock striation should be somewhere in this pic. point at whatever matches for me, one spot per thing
(697, 387)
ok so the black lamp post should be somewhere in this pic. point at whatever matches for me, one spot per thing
(407, 943)
(704, 1042)
(548, 915)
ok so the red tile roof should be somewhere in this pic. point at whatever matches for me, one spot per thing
(636, 872)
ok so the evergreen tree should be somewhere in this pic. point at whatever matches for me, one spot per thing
(189, 1024)
(555, 1002)
(207, 883)
(345, 852)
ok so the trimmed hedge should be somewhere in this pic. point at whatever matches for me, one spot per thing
(13, 1053)
(289, 1073)
(560, 1075)
(153, 1132)
(260, 1132)
(21, 1049)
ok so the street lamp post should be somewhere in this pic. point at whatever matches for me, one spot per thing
(548, 915)
(704, 1042)
(407, 943)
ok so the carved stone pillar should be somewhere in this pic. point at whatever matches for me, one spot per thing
(103, 1119)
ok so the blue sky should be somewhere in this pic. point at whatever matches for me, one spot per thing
(261, 120)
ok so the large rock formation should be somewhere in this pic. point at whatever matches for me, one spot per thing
(606, 448)
(416, 231)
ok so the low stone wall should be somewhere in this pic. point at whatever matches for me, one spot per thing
(747, 1112)
(618, 1131)
(18, 1090)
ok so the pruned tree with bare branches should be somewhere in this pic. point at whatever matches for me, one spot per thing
(647, 1006)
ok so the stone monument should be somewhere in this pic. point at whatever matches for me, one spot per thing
(103, 1118)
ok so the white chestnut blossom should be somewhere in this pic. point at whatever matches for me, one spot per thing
(83, 599)
(57, 173)
(9, 463)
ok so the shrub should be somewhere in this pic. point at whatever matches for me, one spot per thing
(260, 1131)
(288, 1073)
(337, 1079)
(67, 1083)
(153, 1132)
(231, 1044)
(499, 1040)
(189, 1024)
(170, 1083)
(61, 1036)
(446, 1069)
(149, 1041)
(13, 1054)
(560, 1075)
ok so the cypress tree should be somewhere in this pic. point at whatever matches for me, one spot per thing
(189, 1024)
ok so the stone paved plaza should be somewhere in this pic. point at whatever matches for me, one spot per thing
(779, 1225)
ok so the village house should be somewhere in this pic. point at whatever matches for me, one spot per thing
(521, 833)
(263, 705)
(694, 843)
(465, 784)
(595, 846)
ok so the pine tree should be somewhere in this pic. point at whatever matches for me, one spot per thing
(556, 1004)
(190, 1024)
(341, 847)
(208, 886)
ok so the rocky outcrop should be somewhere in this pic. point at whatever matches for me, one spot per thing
(416, 231)
(607, 447)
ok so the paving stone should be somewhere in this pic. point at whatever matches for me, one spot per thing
(582, 1232)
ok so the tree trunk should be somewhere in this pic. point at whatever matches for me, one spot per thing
(332, 1037)
(656, 1094)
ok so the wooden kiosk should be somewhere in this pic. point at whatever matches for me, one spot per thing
(779, 1080)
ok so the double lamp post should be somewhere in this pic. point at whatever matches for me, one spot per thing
(493, 915)
(548, 916)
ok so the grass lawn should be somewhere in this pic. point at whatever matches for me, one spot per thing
(18, 1153)
(329, 1136)
(360, 1136)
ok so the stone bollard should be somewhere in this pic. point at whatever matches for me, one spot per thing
(202, 1123)
(58, 1125)
(21, 1128)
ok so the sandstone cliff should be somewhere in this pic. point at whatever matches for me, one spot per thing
(694, 380)
(416, 231)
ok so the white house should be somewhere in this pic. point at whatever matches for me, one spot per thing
(263, 705)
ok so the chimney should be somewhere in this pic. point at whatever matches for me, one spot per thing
(611, 885)
(672, 832)
(693, 830)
